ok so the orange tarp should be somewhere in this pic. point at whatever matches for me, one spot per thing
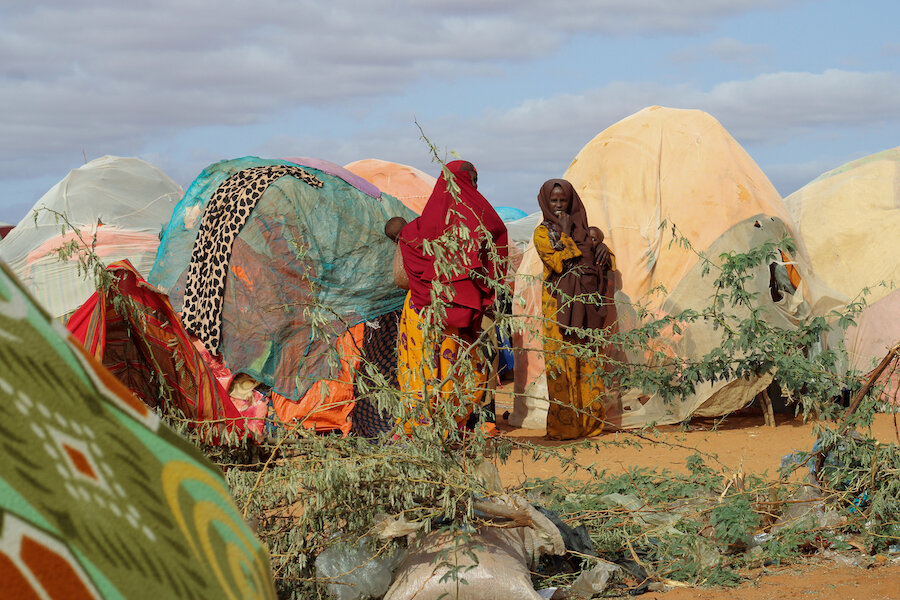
(328, 403)
(408, 184)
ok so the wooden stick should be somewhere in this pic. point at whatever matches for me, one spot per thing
(768, 411)
(885, 362)
(501, 511)
(858, 398)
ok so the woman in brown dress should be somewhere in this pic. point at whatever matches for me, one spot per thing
(563, 243)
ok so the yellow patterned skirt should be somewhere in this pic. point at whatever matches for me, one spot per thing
(422, 364)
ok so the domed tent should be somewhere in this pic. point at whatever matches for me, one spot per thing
(510, 214)
(680, 167)
(522, 230)
(849, 219)
(99, 498)
(308, 261)
(408, 184)
(119, 205)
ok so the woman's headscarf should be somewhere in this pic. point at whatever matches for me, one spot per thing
(470, 295)
(579, 275)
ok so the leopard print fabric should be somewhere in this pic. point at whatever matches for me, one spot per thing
(227, 212)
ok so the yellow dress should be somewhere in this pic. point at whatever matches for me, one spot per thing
(573, 383)
(420, 367)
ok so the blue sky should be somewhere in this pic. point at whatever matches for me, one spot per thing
(517, 87)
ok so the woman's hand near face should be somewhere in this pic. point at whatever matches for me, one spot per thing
(565, 222)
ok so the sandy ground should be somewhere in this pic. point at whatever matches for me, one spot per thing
(812, 582)
(741, 442)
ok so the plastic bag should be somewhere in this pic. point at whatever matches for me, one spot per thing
(594, 581)
(355, 574)
(490, 565)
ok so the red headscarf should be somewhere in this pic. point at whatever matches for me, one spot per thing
(580, 274)
(469, 293)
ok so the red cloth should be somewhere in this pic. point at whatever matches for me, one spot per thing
(472, 264)
(149, 342)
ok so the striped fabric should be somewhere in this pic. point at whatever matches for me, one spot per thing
(134, 332)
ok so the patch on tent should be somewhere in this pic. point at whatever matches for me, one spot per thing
(326, 166)
(228, 210)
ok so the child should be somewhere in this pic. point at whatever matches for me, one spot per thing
(392, 228)
(603, 257)
(605, 261)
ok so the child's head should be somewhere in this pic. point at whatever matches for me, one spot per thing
(596, 236)
(393, 226)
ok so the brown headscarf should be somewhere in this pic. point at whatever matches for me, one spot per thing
(579, 274)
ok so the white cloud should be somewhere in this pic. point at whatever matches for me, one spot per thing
(542, 135)
(726, 50)
(107, 73)
(519, 148)
(774, 106)
(110, 76)
(768, 108)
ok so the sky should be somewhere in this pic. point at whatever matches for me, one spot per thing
(518, 87)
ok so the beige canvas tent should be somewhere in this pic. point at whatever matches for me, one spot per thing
(849, 219)
(682, 168)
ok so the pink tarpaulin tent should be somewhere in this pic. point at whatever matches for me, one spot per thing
(408, 184)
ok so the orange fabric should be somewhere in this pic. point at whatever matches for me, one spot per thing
(105, 242)
(793, 274)
(328, 403)
(407, 184)
(53, 572)
(242, 274)
(13, 583)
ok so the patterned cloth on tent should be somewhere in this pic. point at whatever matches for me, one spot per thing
(99, 499)
(149, 340)
(379, 350)
(227, 211)
(308, 264)
(326, 166)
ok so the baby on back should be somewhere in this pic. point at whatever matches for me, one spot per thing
(605, 261)
(603, 258)
(392, 228)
